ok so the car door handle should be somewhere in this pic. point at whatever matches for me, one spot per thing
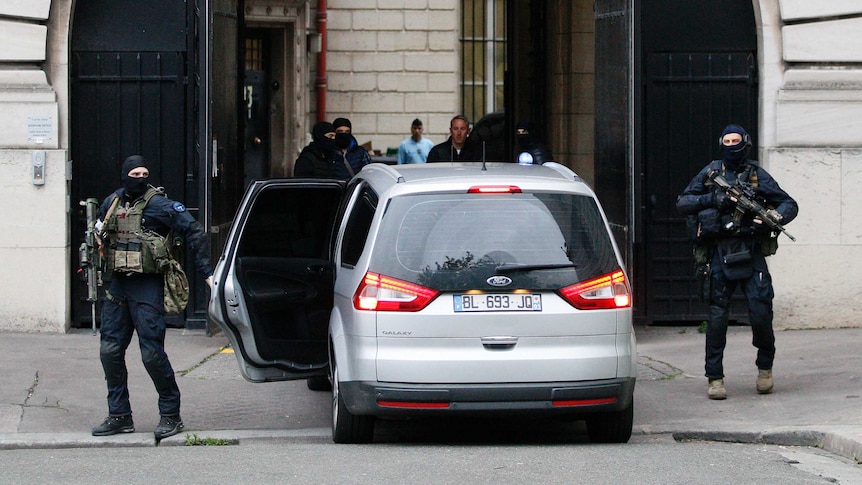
(316, 268)
(499, 342)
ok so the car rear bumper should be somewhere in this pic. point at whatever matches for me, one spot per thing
(546, 398)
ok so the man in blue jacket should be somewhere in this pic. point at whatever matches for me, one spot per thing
(353, 156)
(415, 148)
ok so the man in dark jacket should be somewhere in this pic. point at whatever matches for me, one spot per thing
(530, 150)
(320, 157)
(459, 146)
(736, 245)
(352, 156)
(137, 218)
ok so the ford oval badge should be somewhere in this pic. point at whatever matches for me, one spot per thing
(499, 281)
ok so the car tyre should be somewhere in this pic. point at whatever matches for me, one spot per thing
(613, 427)
(319, 383)
(346, 426)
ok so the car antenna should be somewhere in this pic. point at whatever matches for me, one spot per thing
(484, 168)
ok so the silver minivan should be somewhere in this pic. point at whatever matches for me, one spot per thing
(436, 289)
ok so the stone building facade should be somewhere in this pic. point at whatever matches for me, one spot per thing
(389, 61)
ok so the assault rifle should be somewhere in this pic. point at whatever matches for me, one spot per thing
(746, 202)
(88, 253)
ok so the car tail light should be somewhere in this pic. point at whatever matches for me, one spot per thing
(607, 291)
(494, 189)
(384, 294)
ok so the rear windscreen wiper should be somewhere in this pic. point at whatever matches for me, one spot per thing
(511, 268)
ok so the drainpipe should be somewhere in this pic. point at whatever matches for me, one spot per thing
(320, 82)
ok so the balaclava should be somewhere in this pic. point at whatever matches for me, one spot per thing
(524, 139)
(735, 154)
(318, 135)
(342, 139)
(135, 186)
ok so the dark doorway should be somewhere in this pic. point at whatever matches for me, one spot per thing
(130, 69)
(698, 71)
(256, 98)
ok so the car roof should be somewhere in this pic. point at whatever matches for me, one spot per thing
(438, 176)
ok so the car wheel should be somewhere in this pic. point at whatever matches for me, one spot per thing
(319, 383)
(614, 427)
(346, 426)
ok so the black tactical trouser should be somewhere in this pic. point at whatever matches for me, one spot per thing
(136, 303)
(759, 293)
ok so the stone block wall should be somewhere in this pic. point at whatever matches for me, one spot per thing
(33, 235)
(816, 154)
(391, 61)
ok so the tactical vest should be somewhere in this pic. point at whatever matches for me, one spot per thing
(131, 248)
(768, 241)
(749, 175)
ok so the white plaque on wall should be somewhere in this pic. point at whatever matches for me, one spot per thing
(39, 128)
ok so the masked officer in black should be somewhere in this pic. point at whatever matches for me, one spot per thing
(137, 218)
(530, 150)
(735, 246)
(321, 157)
(351, 154)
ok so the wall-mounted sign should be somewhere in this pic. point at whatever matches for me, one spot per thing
(40, 128)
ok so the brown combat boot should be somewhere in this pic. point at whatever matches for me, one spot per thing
(764, 381)
(716, 389)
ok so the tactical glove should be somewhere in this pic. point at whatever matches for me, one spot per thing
(721, 201)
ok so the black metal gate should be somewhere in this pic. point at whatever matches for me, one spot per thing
(699, 73)
(131, 94)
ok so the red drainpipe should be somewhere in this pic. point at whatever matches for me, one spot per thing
(320, 82)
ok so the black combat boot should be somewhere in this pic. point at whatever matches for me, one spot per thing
(169, 426)
(115, 424)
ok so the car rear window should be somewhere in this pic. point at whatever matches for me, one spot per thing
(454, 242)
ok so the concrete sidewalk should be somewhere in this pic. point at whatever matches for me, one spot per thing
(52, 392)
(817, 399)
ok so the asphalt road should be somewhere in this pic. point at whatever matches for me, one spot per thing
(646, 460)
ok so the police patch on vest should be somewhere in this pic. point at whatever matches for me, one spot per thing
(179, 207)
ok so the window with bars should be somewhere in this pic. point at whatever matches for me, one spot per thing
(254, 54)
(483, 56)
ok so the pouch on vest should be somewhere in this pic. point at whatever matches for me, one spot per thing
(709, 223)
(176, 288)
(702, 227)
(769, 244)
(156, 255)
(145, 253)
(735, 257)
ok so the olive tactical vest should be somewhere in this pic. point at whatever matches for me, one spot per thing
(132, 249)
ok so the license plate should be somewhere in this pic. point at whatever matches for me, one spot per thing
(498, 302)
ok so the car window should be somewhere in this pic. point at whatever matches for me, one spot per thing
(358, 225)
(457, 241)
(294, 223)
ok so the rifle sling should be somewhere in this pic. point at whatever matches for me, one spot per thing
(111, 209)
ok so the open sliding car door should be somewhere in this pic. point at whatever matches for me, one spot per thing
(273, 284)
